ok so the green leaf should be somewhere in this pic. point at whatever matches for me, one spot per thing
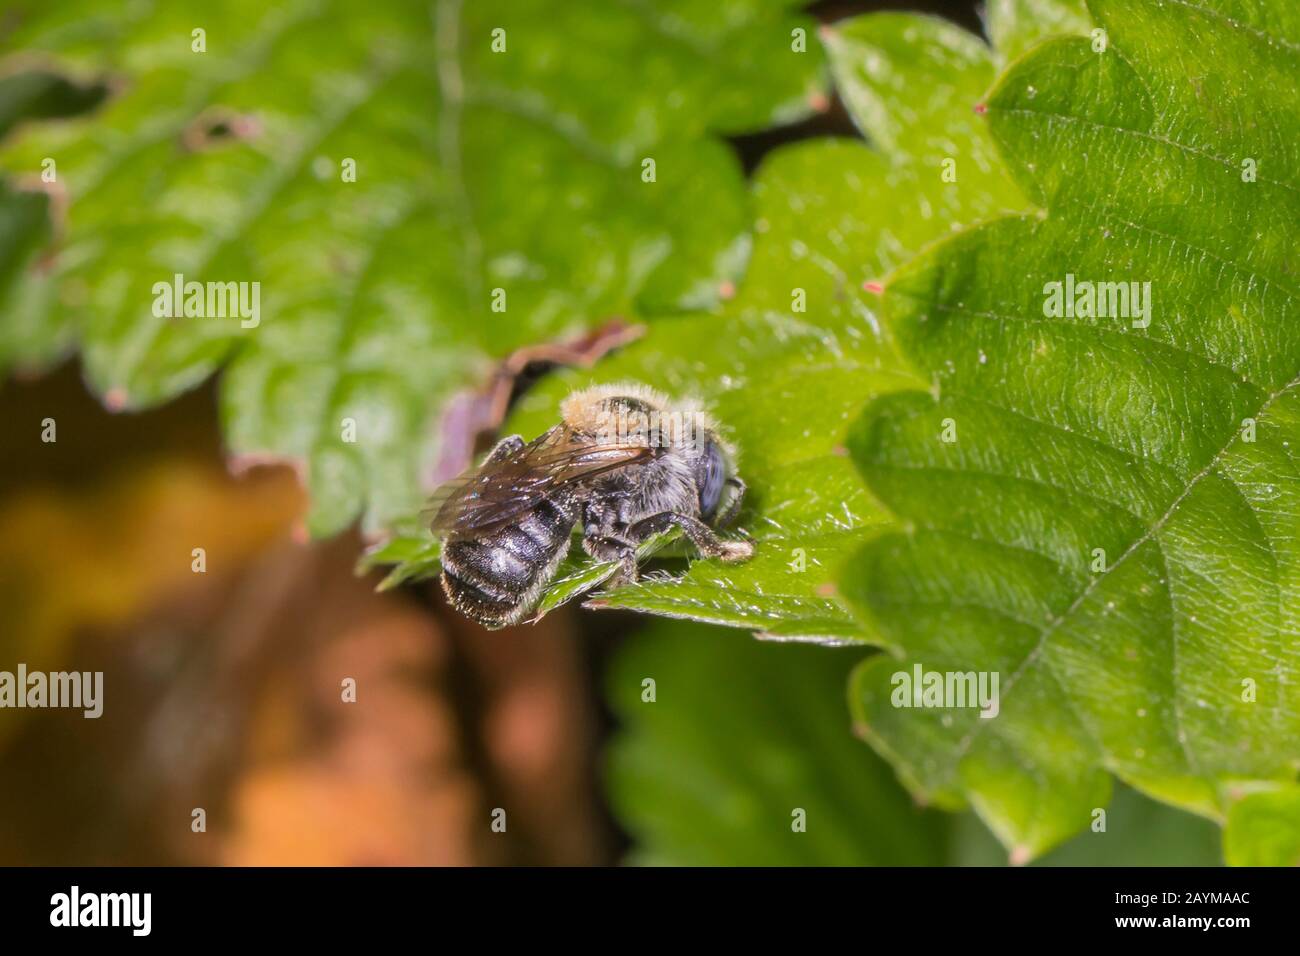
(24, 283)
(415, 555)
(785, 384)
(1138, 832)
(706, 778)
(37, 94)
(1113, 530)
(476, 171)
(1264, 829)
(1016, 25)
(25, 228)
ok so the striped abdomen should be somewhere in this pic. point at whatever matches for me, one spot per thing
(496, 579)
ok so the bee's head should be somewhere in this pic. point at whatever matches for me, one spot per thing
(682, 430)
(616, 413)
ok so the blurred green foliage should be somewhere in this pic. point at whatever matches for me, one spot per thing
(741, 733)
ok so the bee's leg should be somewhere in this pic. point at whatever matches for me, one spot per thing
(701, 535)
(608, 548)
(505, 448)
(604, 537)
(728, 514)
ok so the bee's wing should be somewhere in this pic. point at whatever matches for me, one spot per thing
(500, 491)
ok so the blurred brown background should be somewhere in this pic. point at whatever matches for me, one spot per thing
(224, 688)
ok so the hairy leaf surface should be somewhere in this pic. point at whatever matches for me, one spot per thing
(1103, 508)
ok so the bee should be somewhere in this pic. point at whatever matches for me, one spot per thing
(625, 463)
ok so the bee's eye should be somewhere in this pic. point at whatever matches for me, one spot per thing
(710, 475)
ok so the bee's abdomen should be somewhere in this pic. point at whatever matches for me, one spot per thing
(496, 579)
